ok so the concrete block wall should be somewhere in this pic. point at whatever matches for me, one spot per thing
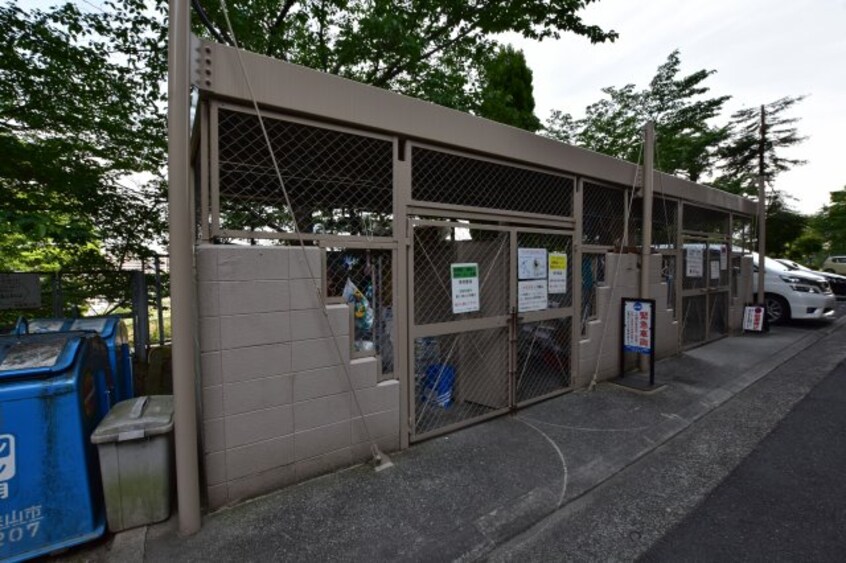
(277, 406)
(600, 353)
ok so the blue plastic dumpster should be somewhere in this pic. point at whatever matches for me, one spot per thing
(113, 330)
(51, 400)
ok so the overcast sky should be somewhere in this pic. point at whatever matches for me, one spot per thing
(762, 50)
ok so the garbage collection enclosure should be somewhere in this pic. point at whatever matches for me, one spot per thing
(475, 267)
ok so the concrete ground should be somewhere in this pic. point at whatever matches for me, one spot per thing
(600, 474)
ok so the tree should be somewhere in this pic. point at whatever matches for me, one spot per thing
(758, 137)
(507, 94)
(784, 226)
(686, 142)
(433, 50)
(830, 222)
(81, 109)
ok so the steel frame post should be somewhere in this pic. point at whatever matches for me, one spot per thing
(181, 268)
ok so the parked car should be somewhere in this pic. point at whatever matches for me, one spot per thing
(836, 281)
(793, 294)
(834, 265)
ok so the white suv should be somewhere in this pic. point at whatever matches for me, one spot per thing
(794, 294)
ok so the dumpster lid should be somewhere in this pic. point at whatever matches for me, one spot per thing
(102, 325)
(32, 352)
(38, 326)
(134, 419)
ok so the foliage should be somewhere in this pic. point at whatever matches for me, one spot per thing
(507, 94)
(80, 110)
(753, 150)
(830, 222)
(784, 226)
(686, 142)
(430, 49)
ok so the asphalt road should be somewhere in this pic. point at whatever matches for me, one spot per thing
(759, 478)
(786, 501)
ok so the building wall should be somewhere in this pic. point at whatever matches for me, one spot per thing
(277, 404)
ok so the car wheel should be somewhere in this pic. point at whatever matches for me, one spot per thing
(778, 310)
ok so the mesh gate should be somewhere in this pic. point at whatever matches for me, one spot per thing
(544, 336)
(514, 346)
(460, 360)
(706, 274)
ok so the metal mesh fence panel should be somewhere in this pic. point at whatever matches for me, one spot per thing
(694, 265)
(459, 377)
(552, 244)
(742, 235)
(694, 319)
(441, 177)
(603, 215)
(718, 317)
(338, 182)
(593, 274)
(364, 278)
(664, 223)
(436, 248)
(668, 276)
(543, 358)
(703, 220)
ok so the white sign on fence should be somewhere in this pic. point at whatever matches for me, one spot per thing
(532, 295)
(20, 291)
(465, 287)
(694, 267)
(531, 263)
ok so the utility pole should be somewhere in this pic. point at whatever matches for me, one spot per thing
(182, 267)
(762, 208)
(646, 226)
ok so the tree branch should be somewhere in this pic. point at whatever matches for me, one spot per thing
(277, 25)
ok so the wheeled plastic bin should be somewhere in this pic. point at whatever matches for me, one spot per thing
(51, 400)
(136, 460)
(112, 329)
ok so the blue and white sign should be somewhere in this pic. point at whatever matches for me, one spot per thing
(637, 327)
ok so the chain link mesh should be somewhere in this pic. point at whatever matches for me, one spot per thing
(338, 182)
(603, 215)
(364, 277)
(693, 319)
(543, 358)
(704, 220)
(668, 276)
(664, 223)
(706, 267)
(593, 275)
(440, 177)
(436, 248)
(459, 377)
(544, 348)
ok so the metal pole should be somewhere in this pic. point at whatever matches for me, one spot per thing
(646, 227)
(762, 212)
(648, 188)
(181, 269)
(159, 312)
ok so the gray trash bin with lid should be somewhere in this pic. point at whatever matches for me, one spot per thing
(136, 457)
